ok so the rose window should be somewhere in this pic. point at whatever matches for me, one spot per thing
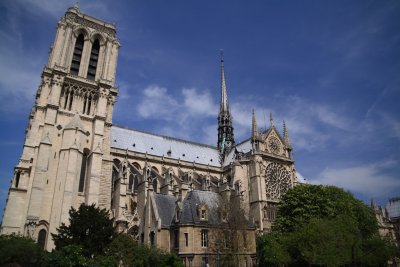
(277, 181)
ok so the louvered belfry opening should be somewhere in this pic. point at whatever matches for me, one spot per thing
(94, 56)
(77, 56)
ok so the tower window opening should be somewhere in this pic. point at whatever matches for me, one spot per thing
(83, 170)
(17, 177)
(94, 56)
(77, 56)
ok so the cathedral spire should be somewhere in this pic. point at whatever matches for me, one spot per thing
(254, 126)
(271, 120)
(286, 137)
(225, 129)
(224, 106)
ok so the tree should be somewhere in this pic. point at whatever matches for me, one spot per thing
(231, 239)
(127, 252)
(15, 249)
(68, 256)
(323, 226)
(89, 227)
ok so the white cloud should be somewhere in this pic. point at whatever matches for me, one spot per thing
(199, 103)
(157, 104)
(369, 180)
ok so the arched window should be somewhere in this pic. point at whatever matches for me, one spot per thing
(83, 169)
(87, 103)
(77, 56)
(42, 238)
(94, 56)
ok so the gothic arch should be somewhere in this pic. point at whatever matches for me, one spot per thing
(81, 30)
(98, 36)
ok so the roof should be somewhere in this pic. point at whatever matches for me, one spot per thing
(192, 202)
(242, 147)
(166, 208)
(159, 145)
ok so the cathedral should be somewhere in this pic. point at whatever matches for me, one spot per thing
(164, 191)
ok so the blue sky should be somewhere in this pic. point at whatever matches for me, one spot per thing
(330, 69)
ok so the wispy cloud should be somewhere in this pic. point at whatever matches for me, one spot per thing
(369, 180)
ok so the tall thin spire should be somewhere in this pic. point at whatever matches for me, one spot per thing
(286, 136)
(254, 125)
(224, 95)
(225, 129)
(271, 120)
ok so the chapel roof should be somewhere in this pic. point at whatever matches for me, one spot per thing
(192, 202)
(166, 208)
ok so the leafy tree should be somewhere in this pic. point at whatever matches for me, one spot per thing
(89, 227)
(323, 226)
(272, 249)
(15, 249)
(126, 251)
(68, 256)
(305, 202)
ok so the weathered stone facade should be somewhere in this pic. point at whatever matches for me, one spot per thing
(162, 190)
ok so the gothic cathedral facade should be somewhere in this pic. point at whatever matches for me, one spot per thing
(160, 189)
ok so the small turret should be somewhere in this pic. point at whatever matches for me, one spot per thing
(286, 137)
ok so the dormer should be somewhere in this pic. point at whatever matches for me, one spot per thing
(202, 212)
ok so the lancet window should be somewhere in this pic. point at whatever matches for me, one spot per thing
(77, 56)
(94, 57)
(75, 97)
(84, 163)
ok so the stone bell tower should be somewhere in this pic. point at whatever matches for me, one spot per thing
(66, 158)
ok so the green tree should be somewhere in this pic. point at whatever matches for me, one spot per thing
(323, 226)
(272, 249)
(68, 256)
(15, 249)
(126, 251)
(89, 227)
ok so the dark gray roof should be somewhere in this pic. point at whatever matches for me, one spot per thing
(192, 202)
(166, 208)
(242, 147)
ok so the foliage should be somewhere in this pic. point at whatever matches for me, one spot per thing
(123, 249)
(304, 202)
(272, 249)
(21, 250)
(89, 227)
(323, 226)
(68, 256)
